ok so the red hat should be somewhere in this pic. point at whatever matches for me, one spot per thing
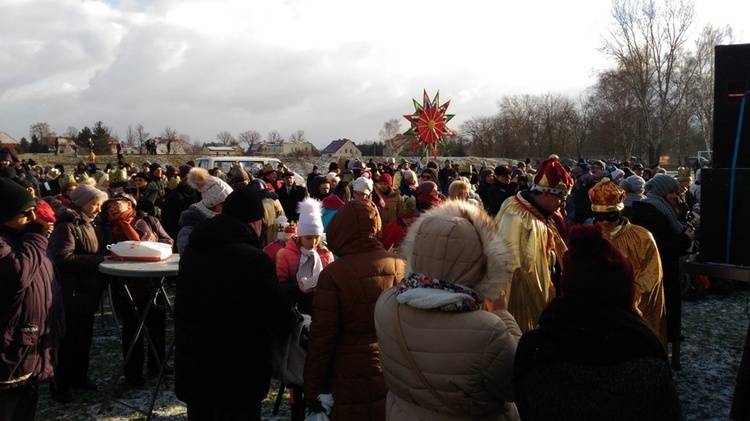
(551, 176)
(595, 270)
(385, 178)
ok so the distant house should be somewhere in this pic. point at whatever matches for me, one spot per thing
(342, 148)
(220, 150)
(7, 140)
(288, 148)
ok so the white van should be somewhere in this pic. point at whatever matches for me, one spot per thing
(226, 162)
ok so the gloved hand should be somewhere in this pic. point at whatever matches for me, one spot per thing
(37, 226)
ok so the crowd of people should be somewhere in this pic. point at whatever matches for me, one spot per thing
(501, 292)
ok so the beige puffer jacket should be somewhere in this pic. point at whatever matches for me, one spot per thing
(467, 358)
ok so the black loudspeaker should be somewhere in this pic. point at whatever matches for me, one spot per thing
(731, 82)
(714, 223)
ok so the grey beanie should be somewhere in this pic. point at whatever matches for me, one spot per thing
(84, 193)
(661, 184)
(633, 184)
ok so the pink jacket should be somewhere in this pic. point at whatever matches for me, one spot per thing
(287, 261)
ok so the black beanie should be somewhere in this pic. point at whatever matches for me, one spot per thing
(16, 199)
(244, 204)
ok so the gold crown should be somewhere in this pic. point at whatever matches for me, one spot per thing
(606, 196)
(173, 182)
(82, 178)
(684, 172)
(118, 176)
(465, 168)
(407, 206)
(66, 179)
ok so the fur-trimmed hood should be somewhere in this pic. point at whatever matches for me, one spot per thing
(458, 242)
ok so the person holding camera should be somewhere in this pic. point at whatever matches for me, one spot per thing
(658, 213)
(30, 303)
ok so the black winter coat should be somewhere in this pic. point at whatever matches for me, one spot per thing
(671, 246)
(227, 306)
(77, 246)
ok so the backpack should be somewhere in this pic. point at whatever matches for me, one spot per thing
(289, 353)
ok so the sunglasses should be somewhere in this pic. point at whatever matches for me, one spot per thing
(608, 216)
(29, 213)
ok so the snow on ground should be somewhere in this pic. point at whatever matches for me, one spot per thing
(714, 329)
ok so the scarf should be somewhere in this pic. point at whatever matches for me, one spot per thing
(421, 291)
(666, 209)
(122, 227)
(309, 264)
(426, 201)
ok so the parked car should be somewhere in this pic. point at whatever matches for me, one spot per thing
(226, 162)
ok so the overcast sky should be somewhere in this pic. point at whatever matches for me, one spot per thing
(334, 69)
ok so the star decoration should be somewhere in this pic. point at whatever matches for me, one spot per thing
(429, 123)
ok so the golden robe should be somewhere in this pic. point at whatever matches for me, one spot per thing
(638, 245)
(535, 246)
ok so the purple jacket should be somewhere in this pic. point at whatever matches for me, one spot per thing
(30, 308)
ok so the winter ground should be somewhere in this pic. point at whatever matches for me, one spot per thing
(714, 329)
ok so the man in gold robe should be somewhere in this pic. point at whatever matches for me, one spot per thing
(638, 245)
(526, 221)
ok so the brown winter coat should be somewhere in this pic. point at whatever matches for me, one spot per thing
(343, 350)
(465, 358)
(389, 212)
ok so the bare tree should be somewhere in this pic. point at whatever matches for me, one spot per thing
(225, 138)
(298, 136)
(71, 131)
(275, 137)
(141, 135)
(390, 130)
(646, 42)
(40, 129)
(481, 131)
(130, 136)
(169, 133)
(249, 137)
(700, 95)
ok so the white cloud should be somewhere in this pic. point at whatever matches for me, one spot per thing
(331, 68)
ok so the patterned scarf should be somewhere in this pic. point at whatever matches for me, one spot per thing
(421, 291)
(122, 227)
(665, 208)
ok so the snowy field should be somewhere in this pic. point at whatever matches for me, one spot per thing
(714, 329)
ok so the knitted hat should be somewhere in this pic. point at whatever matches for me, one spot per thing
(244, 204)
(364, 185)
(290, 230)
(599, 163)
(333, 177)
(595, 270)
(661, 184)
(16, 199)
(212, 189)
(85, 193)
(633, 184)
(637, 166)
(240, 176)
(410, 175)
(385, 178)
(183, 170)
(551, 176)
(606, 197)
(310, 222)
(407, 207)
(616, 173)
